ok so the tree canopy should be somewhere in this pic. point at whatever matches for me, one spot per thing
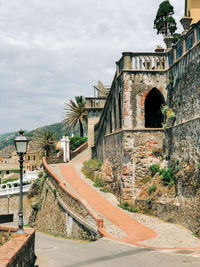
(164, 23)
(75, 113)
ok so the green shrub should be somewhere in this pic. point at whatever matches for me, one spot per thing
(126, 206)
(54, 191)
(93, 163)
(76, 142)
(154, 168)
(3, 186)
(98, 183)
(45, 176)
(167, 176)
(9, 185)
(104, 190)
(152, 189)
(47, 189)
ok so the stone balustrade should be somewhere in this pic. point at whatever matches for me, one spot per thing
(142, 62)
(13, 190)
(95, 102)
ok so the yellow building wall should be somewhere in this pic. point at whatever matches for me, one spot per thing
(193, 10)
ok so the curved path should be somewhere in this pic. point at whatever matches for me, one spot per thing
(135, 231)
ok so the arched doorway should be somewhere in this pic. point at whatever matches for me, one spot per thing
(153, 114)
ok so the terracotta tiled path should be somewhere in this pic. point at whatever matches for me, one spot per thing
(135, 231)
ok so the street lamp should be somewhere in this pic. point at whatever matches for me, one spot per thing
(21, 144)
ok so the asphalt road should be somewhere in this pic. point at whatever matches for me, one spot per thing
(57, 252)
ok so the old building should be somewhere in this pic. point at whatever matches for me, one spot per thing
(130, 125)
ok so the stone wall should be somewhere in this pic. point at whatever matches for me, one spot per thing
(113, 155)
(11, 205)
(180, 212)
(70, 218)
(183, 135)
(19, 250)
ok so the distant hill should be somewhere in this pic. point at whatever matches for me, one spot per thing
(7, 139)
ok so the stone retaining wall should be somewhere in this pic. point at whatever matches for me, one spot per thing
(19, 250)
(184, 213)
(71, 217)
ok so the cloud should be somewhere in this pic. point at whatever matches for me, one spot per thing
(51, 51)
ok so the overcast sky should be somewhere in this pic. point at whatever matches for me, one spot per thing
(53, 50)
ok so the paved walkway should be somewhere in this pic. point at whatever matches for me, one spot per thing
(135, 232)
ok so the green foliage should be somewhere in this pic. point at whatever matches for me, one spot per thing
(45, 176)
(47, 189)
(46, 142)
(75, 113)
(126, 206)
(152, 189)
(76, 142)
(3, 186)
(10, 180)
(93, 163)
(54, 191)
(154, 168)
(199, 165)
(177, 37)
(98, 183)
(179, 102)
(104, 190)
(164, 23)
(167, 177)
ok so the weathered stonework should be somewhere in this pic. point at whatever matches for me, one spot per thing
(11, 205)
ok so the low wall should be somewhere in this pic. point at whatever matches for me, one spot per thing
(186, 214)
(77, 151)
(19, 250)
(11, 205)
(72, 217)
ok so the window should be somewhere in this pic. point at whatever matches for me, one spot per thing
(34, 157)
(120, 111)
(7, 172)
(29, 157)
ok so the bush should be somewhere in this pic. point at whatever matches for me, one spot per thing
(93, 163)
(152, 189)
(126, 206)
(167, 177)
(154, 168)
(3, 186)
(77, 141)
(45, 176)
(9, 185)
(98, 183)
(54, 191)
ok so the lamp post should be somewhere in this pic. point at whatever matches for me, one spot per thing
(21, 143)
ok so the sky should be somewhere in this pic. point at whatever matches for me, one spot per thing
(53, 50)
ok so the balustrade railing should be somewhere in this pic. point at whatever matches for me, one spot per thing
(95, 102)
(142, 62)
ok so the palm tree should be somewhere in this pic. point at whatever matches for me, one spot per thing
(76, 113)
(46, 142)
